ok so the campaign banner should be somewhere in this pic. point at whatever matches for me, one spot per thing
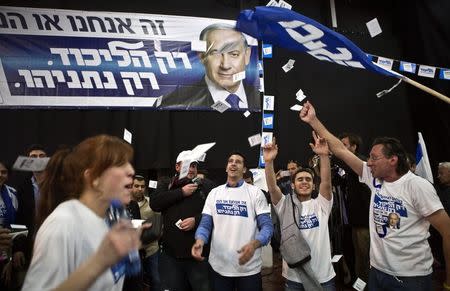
(81, 59)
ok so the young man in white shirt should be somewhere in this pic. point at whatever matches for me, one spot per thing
(312, 222)
(238, 217)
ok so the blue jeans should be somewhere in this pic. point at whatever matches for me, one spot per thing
(295, 286)
(379, 280)
(183, 274)
(151, 270)
(245, 283)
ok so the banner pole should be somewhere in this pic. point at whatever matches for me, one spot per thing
(427, 89)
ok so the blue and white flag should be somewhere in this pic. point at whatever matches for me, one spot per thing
(291, 30)
(423, 168)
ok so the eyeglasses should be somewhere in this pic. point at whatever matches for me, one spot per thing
(372, 158)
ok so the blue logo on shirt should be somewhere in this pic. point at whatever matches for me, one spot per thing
(309, 221)
(231, 207)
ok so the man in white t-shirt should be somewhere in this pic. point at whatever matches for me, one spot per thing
(312, 222)
(400, 256)
(238, 217)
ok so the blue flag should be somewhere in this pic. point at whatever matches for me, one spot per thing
(291, 30)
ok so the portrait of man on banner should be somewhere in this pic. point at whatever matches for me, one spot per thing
(225, 60)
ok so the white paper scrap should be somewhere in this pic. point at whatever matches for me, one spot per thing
(202, 158)
(296, 107)
(374, 27)
(247, 113)
(127, 136)
(220, 106)
(178, 223)
(152, 184)
(288, 66)
(273, 3)
(336, 258)
(239, 76)
(200, 149)
(198, 45)
(359, 284)
(300, 95)
(284, 4)
(254, 140)
(185, 164)
(29, 164)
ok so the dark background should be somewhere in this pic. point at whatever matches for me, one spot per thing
(415, 31)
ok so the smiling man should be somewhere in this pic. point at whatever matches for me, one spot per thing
(238, 217)
(400, 257)
(227, 54)
(311, 218)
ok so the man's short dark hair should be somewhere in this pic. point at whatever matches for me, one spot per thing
(299, 170)
(293, 162)
(248, 175)
(393, 147)
(239, 154)
(35, 147)
(139, 178)
(353, 139)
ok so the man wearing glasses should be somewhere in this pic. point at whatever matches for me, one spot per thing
(400, 257)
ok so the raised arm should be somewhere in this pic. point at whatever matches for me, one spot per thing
(270, 151)
(308, 115)
(320, 148)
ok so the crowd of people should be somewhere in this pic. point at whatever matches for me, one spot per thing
(212, 235)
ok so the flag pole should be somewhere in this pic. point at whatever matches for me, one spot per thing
(426, 89)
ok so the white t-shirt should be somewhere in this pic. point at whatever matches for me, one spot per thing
(234, 211)
(314, 227)
(398, 228)
(69, 235)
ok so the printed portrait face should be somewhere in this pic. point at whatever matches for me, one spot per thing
(393, 220)
(227, 55)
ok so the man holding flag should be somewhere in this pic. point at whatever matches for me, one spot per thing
(400, 257)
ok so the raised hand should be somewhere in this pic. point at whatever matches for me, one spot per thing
(320, 145)
(308, 113)
(270, 151)
(118, 242)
